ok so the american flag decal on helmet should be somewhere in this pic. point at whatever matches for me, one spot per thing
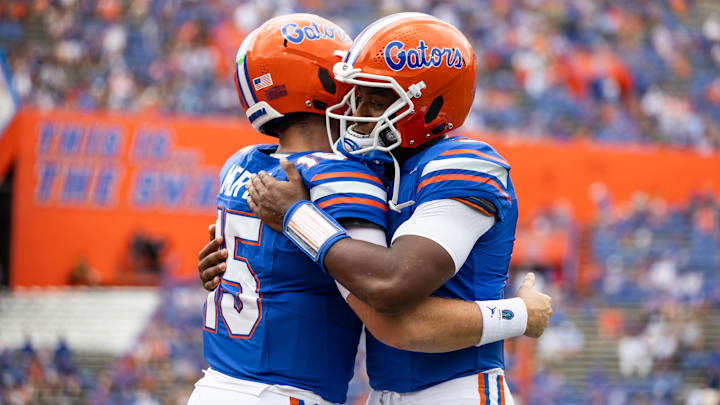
(262, 81)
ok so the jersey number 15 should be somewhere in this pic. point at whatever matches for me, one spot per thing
(237, 300)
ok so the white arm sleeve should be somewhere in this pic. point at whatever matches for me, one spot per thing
(449, 223)
(367, 233)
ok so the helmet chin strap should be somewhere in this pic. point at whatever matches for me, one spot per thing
(393, 204)
(414, 91)
(353, 140)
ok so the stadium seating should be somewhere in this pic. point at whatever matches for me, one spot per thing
(106, 320)
(650, 327)
(618, 72)
(57, 344)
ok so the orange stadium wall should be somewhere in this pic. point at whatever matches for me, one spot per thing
(546, 172)
(85, 183)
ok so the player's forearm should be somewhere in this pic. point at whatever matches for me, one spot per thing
(363, 268)
(390, 280)
(436, 325)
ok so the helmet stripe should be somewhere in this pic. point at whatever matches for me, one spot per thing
(247, 82)
(242, 73)
(239, 87)
(372, 29)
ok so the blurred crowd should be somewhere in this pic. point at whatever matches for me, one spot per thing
(43, 377)
(632, 71)
(623, 72)
(649, 330)
(651, 253)
(167, 359)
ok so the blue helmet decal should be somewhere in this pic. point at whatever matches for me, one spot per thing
(296, 34)
(421, 57)
(257, 114)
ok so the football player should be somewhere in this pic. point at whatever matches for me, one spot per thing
(453, 208)
(274, 331)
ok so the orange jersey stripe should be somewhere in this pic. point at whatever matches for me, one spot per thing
(353, 200)
(325, 176)
(501, 388)
(473, 205)
(294, 401)
(473, 152)
(465, 177)
(481, 389)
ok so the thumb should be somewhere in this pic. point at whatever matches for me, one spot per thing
(291, 171)
(529, 280)
(211, 232)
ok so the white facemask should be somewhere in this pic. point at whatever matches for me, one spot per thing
(384, 136)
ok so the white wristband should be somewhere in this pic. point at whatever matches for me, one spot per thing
(502, 319)
(343, 291)
(312, 230)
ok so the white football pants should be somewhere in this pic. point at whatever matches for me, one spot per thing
(488, 388)
(216, 388)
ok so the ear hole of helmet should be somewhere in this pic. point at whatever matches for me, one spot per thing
(327, 81)
(434, 109)
(320, 105)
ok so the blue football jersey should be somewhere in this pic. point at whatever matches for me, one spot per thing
(275, 317)
(469, 171)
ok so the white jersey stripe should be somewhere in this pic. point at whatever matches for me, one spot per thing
(343, 187)
(210, 314)
(242, 69)
(493, 398)
(476, 165)
(372, 29)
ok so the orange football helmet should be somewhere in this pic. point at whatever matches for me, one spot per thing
(431, 67)
(427, 62)
(285, 66)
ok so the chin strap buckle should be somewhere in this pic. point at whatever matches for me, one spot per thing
(398, 207)
(415, 90)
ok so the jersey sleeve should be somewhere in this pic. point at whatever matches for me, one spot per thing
(347, 189)
(477, 179)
